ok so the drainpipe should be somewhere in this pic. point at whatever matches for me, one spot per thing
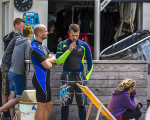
(140, 16)
(97, 30)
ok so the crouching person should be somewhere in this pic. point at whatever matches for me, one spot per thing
(16, 71)
(122, 104)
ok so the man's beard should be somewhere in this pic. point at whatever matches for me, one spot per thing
(43, 38)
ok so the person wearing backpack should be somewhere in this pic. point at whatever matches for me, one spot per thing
(9, 43)
(16, 72)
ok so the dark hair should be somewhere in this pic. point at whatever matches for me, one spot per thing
(18, 21)
(27, 30)
(50, 24)
(74, 27)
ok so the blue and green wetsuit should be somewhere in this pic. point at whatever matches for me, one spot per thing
(73, 72)
(74, 61)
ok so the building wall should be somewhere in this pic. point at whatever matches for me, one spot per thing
(39, 6)
(146, 16)
(1, 48)
(2, 21)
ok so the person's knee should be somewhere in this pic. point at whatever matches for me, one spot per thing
(12, 95)
(40, 105)
(48, 105)
(17, 99)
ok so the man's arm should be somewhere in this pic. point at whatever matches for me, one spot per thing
(89, 61)
(47, 64)
(27, 50)
(61, 57)
(52, 58)
(37, 53)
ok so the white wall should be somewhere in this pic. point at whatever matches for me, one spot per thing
(146, 16)
(40, 7)
(1, 52)
(10, 26)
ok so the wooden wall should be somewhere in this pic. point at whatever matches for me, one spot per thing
(105, 77)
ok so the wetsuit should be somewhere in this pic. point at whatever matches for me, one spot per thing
(73, 72)
(41, 78)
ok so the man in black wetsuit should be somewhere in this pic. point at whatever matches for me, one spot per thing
(42, 61)
(71, 54)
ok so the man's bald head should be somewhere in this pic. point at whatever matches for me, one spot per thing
(39, 28)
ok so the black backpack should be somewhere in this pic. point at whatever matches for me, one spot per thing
(7, 38)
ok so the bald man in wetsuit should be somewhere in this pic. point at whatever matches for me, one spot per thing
(42, 61)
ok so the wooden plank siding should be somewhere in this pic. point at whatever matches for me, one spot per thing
(104, 79)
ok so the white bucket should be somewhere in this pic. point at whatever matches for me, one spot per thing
(27, 105)
(27, 111)
(27, 108)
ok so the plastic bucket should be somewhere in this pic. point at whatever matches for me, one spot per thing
(26, 111)
(27, 105)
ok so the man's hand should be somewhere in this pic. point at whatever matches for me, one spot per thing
(52, 58)
(72, 46)
(47, 64)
